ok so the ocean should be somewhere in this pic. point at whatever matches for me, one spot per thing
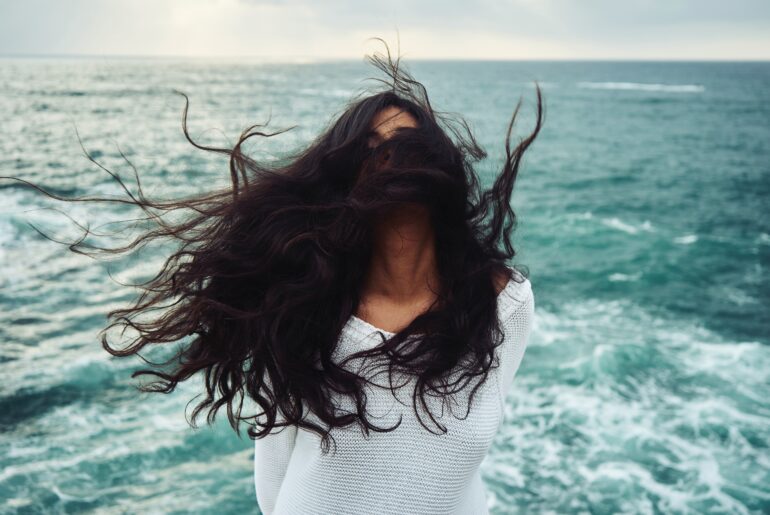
(643, 222)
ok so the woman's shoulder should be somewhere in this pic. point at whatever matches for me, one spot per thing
(516, 292)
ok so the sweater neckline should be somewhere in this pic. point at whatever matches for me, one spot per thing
(365, 328)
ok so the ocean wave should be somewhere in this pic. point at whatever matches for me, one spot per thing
(638, 392)
(618, 277)
(337, 93)
(617, 223)
(687, 239)
(669, 88)
(614, 222)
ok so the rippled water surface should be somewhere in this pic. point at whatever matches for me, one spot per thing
(642, 218)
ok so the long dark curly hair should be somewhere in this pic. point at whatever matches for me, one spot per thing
(269, 271)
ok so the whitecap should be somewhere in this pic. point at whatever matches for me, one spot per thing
(639, 392)
(618, 277)
(687, 239)
(670, 88)
(617, 223)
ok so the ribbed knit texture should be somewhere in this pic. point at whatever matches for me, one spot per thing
(409, 470)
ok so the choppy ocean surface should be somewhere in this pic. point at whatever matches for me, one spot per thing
(643, 219)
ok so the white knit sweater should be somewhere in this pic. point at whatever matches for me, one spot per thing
(408, 470)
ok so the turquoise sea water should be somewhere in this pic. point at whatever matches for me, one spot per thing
(643, 219)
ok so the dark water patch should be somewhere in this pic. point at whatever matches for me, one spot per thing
(745, 496)
(108, 93)
(664, 100)
(17, 185)
(28, 321)
(57, 93)
(17, 164)
(91, 383)
(103, 110)
(28, 403)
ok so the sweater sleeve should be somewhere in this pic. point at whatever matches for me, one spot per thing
(271, 459)
(517, 325)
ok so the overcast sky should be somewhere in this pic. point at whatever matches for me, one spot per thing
(453, 29)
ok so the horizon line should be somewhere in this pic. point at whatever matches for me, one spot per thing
(298, 59)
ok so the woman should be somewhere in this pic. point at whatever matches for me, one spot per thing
(349, 289)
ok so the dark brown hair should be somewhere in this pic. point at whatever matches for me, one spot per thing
(268, 271)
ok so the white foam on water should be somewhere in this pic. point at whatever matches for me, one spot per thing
(618, 277)
(617, 223)
(668, 88)
(609, 383)
(687, 239)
